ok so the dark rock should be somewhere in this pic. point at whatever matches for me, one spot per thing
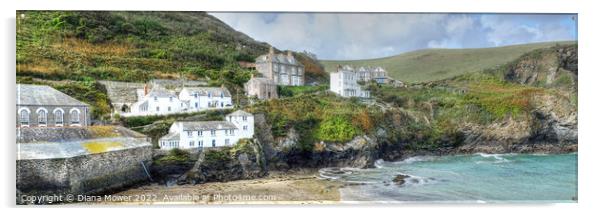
(400, 179)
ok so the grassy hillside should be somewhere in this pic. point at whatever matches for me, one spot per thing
(437, 64)
(131, 46)
(71, 50)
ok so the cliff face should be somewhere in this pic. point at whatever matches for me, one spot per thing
(546, 121)
(550, 67)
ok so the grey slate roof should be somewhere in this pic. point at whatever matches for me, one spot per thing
(171, 136)
(240, 113)
(122, 92)
(207, 125)
(204, 91)
(161, 92)
(44, 96)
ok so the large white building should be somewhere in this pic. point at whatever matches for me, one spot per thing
(161, 101)
(344, 82)
(203, 134)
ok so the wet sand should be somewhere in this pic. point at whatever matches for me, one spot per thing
(277, 188)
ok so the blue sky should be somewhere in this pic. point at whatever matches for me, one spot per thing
(374, 35)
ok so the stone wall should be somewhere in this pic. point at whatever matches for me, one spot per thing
(85, 174)
(60, 134)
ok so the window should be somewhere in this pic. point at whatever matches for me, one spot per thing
(209, 95)
(74, 116)
(222, 104)
(199, 133)
(24, 117)
(42, 117)
(201, 143)
(196, 95)
(157, 108)
(168, 108)
(222, 95)
(231, 131)
(196, 104)
(191, 143)
(156, 99)
(212, 132)
(213, 143)
(227, 141)
(58, 117)
(244, 127)
(244, 118)
(189, 133)
(170, 99)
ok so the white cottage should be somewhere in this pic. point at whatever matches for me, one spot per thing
(158, 101)
(202, 98)
(161, 101)
(344, 83)
(203, 134)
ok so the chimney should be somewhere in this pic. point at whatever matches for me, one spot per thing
(145, 89)
(289, 53)
(271, 50)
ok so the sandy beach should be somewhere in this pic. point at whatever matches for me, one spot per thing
(277, 188)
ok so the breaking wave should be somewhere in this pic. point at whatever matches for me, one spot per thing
(496, 158)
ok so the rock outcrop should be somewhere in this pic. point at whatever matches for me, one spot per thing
(218, 165)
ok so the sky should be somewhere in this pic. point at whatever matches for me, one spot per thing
(347, 36)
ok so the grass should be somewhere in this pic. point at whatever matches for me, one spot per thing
(438, 64)
(317, 117)
(103, 131)
(290, 91)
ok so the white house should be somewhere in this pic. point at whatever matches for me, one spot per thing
(202, 98)
(344, 83)
(161, 101)
(203, 134)
(158, 101)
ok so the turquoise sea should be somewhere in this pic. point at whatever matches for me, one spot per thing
(531, 178)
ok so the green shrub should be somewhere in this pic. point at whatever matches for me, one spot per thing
(336, 129)
(174, 156)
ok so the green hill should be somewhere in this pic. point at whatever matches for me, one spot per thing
(436, 64)
(132, 46)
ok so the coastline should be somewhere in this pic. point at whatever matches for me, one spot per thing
(299, 187)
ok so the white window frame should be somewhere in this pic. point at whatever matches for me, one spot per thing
(58, 112)
(21, 116)
(42, 114)
(71, 117)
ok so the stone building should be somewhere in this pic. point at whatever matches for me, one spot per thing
(44, 106)
(202, 134)
(282, 69)
(262, 88)
(378, 74)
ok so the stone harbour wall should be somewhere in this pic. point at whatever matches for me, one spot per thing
(92, 174)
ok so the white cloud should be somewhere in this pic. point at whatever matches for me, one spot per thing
(369, 35)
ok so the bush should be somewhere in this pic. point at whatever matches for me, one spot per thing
(174, 156)
(336, 129)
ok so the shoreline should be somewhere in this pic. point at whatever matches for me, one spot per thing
(299, 187)
(303, 186)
